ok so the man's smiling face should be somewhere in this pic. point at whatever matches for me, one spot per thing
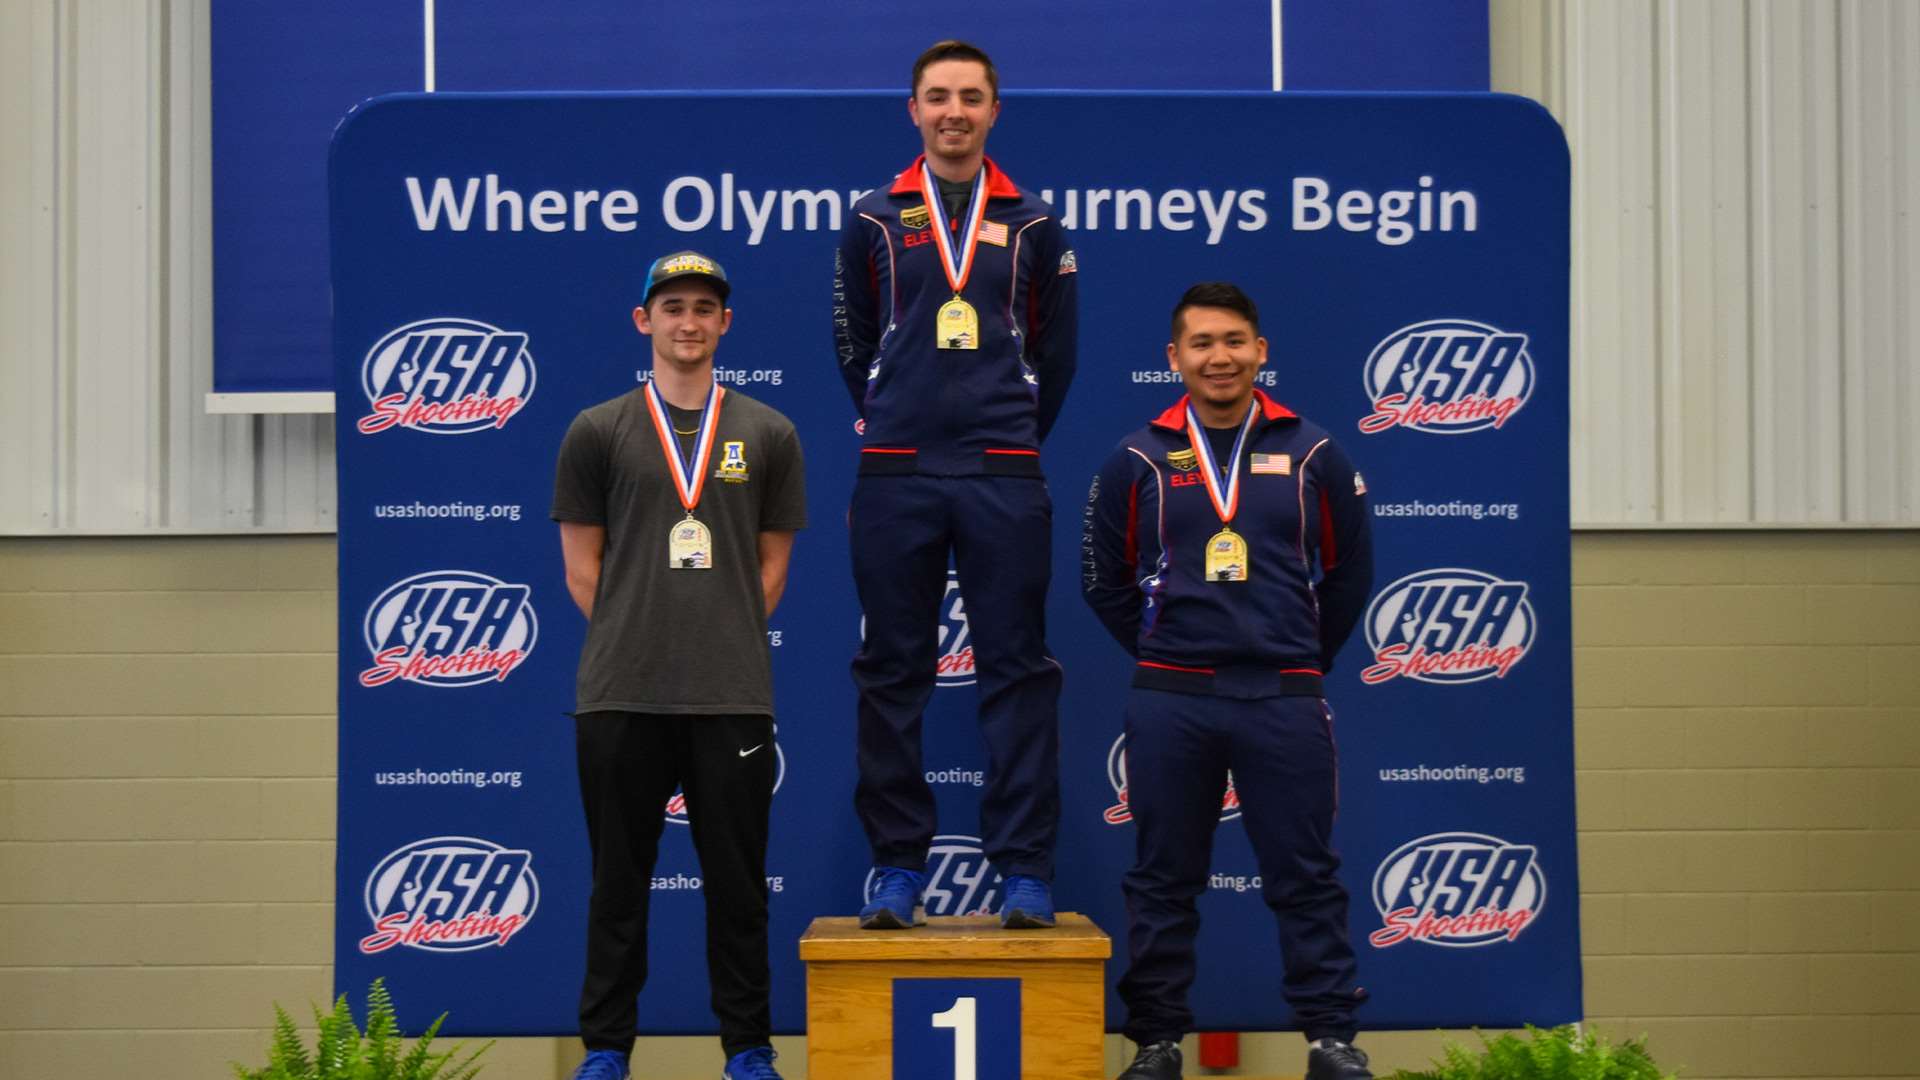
(954, 106)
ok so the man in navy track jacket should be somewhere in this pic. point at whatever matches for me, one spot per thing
(1227, 549)
(954, 320)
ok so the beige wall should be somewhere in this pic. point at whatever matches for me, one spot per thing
(1748, 746)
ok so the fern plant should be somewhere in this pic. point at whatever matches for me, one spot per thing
(343, 1052)
(1560, 1053)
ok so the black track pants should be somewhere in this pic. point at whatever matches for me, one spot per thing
(630, 764)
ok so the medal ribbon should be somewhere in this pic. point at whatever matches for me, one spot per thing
(1225, 503)
(689, 477)
(958, 264)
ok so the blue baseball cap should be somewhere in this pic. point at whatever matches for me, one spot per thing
(685, 264)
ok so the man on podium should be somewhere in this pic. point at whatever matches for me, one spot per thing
(1202, 534)
(954, 323)
(677, 505)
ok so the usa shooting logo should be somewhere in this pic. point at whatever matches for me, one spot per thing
(1447, 377)
(956, 638)
(450, 894)
(446, 377)
(960, 881)
(955, 665)
(1448, 626)
(1460, 890)
(677, 805)
(448, 628)
(1120, 812)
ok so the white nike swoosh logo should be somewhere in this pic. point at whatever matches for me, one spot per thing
(757, 746)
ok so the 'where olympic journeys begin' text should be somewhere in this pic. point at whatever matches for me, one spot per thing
(693, 203)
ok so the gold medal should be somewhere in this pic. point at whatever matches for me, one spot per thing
(959, 326)
(1227, 550)
(1227, 556)
(690, 545)
(689, 542)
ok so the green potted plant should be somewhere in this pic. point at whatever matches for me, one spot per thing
(1562, 1053)
(343, 1052)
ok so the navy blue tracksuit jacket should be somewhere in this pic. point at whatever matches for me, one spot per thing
(1304, 515)
(955, 411)
(950, 469)
(1228, 677)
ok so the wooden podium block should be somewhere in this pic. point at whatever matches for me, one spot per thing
(851, 979)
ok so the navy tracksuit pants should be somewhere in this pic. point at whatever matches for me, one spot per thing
(1000, 532)
(1281, 752)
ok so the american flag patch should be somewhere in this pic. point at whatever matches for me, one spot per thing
(1272, 465)
(993, 232)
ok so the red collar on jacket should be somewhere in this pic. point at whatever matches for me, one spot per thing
(998, 186)
(1175, 418)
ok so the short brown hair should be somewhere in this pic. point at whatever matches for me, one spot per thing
(951, 49)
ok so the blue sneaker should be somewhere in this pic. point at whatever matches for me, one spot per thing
(754, 1064)
(602, 1065)
(1026, 904)
(896, 900)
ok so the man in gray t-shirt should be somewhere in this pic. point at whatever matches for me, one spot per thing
(677, 505)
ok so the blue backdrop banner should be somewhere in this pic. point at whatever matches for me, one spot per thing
(1386, 44)
(1410, 256)
(283, 74)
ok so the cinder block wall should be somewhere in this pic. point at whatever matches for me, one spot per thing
(1749, 785)
(1748, 744)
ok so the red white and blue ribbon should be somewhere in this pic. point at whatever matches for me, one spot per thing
(1225, 493)
(689, 476)
(956, 255)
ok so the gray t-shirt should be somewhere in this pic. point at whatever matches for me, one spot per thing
(663, 640)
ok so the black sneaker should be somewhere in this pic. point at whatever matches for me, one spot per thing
(1156, 1061)
(1331, 1059)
